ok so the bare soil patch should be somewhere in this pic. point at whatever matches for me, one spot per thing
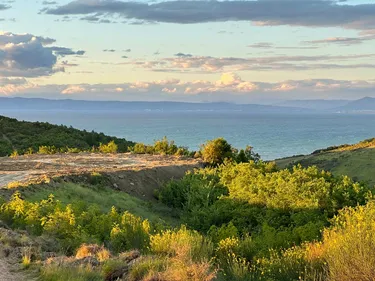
(136, 174)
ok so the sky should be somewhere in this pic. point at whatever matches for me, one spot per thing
(260, 51)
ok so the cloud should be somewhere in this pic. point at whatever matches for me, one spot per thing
(73, 89)
(109, 50)
(182, 55)
(49, 3)
(11, 38)
(62, 51)
(323, 13)
(207, 64)
(262, 45)
(7, 20)
(267, 45)
(4, 7)
(346, 41)
(26, 55)
(127, 50)
(229, 86)
(14, 85)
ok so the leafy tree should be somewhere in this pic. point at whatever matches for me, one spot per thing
(214, 152)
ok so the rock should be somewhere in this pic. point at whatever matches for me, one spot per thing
(115, 185)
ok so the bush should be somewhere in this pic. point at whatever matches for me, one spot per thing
(110, 147)
(139, 148)
(348, 247)
(214, 152)
(182, 243)
(131, 233)
(47, 150)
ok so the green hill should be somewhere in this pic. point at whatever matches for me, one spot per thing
(356, 160)
(22, 135)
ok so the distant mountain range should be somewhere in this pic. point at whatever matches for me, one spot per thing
(364, 105)
(315, 104)
(45, 104)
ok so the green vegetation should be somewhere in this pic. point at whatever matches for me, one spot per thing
(216, 151)
(28, 137)
(355, 161)
(103, 197)
(162, 147)
(238, 219)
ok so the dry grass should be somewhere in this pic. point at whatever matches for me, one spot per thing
(93, 250)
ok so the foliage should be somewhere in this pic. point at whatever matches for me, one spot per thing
(29, 136)
(183, 243)
(348, 247)
(256, 208)
(111, 147)
(215, 152)
(161, 147)
(75, 223)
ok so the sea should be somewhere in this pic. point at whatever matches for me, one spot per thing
(271, 135)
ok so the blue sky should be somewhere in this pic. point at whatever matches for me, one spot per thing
(237, 51)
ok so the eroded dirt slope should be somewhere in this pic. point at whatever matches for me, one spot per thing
(135, 174)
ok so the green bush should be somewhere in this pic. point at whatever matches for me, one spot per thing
(182, 243)
(216, 151)
(48, 150)
(110, 147)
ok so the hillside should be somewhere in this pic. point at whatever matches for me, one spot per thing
(126, 217)
(356, 161)
(363, 105)
(22, 135)
(315, 104)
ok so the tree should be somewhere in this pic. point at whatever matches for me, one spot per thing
(214, 152)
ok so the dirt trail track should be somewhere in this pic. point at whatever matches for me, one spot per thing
(135, 174)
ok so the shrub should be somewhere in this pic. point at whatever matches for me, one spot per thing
(165, 147)
(214, 152)
(110, 147)
(349, 246)
(131, 233)
(139, 148)
(182, 243)
(14, 154)
(47, 150)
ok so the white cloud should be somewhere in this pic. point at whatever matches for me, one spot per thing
(73, 89)
(228, 87)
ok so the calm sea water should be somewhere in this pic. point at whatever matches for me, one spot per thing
(272, 136)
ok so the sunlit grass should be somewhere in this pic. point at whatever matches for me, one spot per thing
(103, 197)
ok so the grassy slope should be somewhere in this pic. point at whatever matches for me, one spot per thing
(358, 163)
(103, 197)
